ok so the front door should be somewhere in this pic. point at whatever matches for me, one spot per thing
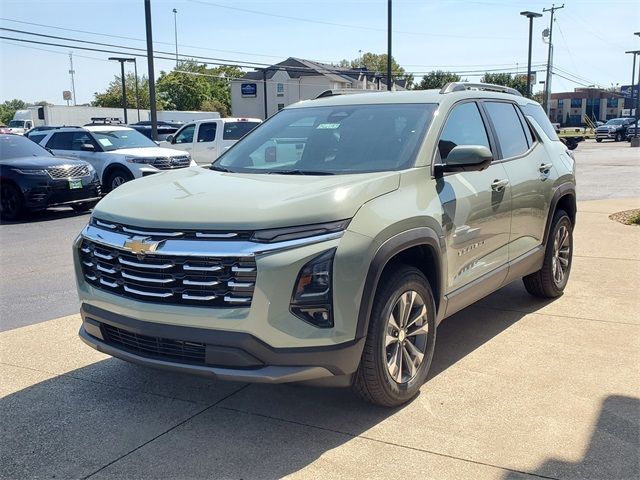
(476, 206)
(205, 148)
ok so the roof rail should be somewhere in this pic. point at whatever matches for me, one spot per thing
(460, 86)
(344, 91)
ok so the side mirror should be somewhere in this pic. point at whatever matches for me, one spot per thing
(466, 158)
(169, 139)
(88, 147)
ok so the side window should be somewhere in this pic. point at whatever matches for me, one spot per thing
(528, 132)
(206, 132)
(464, 127)
(60, 141)
(186, 134)
(37, 138)
(508, 128)
(535, 110)
(79, 139)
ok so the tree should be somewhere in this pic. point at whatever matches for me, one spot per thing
(519, 82)
(9, 107)
(112, 97)
(437, 79)
(377, 62)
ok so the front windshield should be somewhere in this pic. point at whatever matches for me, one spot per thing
(16, 124)
(332, 140)
(17, 146)
(616, 121)
(117, 139)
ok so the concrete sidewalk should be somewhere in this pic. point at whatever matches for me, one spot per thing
(519, 388)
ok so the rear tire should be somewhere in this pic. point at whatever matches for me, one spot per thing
(115, 178)
(551, 279)
(11, 202)
(598, 140)
(400, 341)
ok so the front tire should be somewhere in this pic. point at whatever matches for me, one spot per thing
(11, 202)
(619, 137)
(400, 341)
(551, 279)
(83, 207)
(598, 140)
(115, 178)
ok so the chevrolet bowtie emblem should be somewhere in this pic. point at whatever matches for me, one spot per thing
(141, 245)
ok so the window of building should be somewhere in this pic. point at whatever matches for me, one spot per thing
(576, 103)
(509, 130)
(280, 106)
(280, 89)
(464, 127)
(561, 103)
(612, 102)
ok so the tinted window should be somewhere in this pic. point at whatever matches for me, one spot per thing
(535, 110)
(464, 126)
(37, 137)
(527, 128)
(207, 132)
(333, 139)
(508, 128)
(237, 130)
(185, 135)
(60, 141)
(14, 146)
(125, 138)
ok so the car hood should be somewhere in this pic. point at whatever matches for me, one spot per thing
(149, 152)
(199, 198)
(39, 162)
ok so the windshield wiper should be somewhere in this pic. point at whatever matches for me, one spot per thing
(218, 168)
(298, 172)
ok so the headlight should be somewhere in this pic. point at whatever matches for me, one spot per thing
(30, 171)
(311, 299)
(148, 160)
(294, 233)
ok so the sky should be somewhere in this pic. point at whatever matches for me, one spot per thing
(590, 37)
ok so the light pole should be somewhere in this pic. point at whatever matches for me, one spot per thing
(389, 45)
(175, 30)
(530, 16)
(122, 60)
(635, 141)
(547, 85)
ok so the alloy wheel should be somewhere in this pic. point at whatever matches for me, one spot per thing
(117, 181)
(406, 336)
(561, 255)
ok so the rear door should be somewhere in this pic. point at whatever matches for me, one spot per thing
(205, 148)
(530, 174)
(476, 209)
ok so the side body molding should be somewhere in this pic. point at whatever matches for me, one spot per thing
(421, 236)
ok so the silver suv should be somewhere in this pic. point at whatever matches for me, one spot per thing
(328, 244)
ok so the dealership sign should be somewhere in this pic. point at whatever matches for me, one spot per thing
(248, 89)
(625, 91)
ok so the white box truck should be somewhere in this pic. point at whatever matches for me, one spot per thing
(60, 115)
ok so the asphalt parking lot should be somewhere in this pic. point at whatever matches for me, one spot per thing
(519, 388)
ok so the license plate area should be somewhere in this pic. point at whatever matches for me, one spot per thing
(74, 184)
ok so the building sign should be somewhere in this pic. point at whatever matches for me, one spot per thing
(66, 95)
(625, 91)
(248, 89)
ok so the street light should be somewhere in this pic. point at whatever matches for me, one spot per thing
(122, 60)
(175, 30)
(530, 16)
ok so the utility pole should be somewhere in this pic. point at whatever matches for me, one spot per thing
(530, 16)
(389, 45)
(547, 85)
(152, 78)
(175, 30)
(264, 92)
(124, 86)
(72, 73)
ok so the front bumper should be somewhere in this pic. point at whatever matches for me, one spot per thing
(40, 194)
(223, 355)
(606, 135)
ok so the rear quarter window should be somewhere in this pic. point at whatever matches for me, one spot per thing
(237, 130)
(534, 110)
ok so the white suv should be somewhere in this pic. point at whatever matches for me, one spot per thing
(118, 154)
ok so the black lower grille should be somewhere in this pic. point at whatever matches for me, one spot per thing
(155, 347)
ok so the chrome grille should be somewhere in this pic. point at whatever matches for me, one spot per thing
(68, 171)
(176, 280)
(168, 163)
(161, 234)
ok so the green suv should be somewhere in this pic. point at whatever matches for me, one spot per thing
(328, 244)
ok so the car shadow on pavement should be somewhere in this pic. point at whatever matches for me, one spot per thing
(120, 420)
(45, 216)
(613, 452)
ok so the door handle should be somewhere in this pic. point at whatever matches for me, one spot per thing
(498, 185)
(545, 167)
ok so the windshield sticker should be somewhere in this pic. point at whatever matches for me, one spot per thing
(327, 126)
(105, 142)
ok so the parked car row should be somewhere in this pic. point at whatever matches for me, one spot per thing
(616, 129)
